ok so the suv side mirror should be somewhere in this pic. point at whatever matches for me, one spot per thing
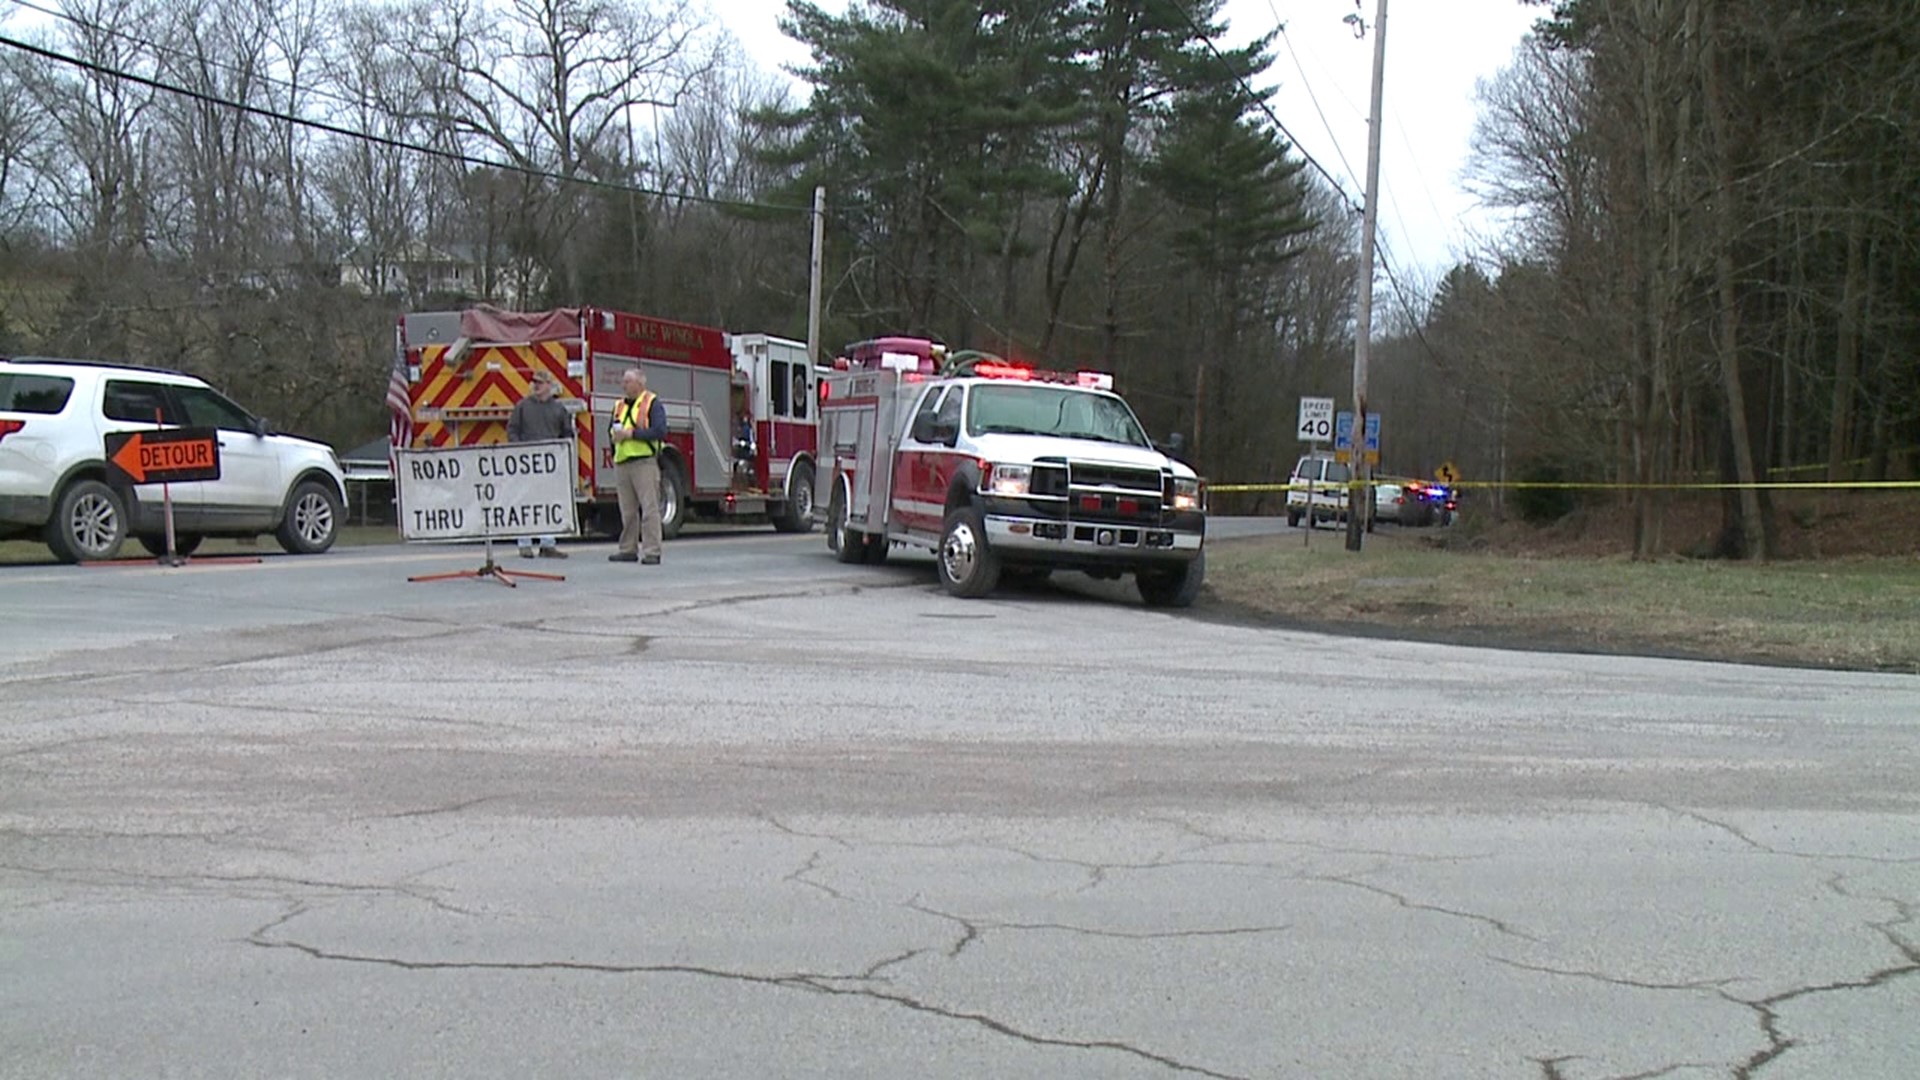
(261, 427)
(1175, 446)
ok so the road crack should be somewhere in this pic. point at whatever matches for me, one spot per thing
(833, 985)
(1498, 925)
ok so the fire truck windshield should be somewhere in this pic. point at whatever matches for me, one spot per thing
(1043, 409)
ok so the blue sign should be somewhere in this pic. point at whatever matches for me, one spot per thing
(1343, 431)
(1373, 432)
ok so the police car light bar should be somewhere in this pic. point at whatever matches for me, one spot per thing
(1095, 380)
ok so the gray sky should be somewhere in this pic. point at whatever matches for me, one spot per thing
(1436, 50)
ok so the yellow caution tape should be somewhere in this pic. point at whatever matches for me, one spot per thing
(1512, 485)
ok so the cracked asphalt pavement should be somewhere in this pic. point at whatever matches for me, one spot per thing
(753, 813)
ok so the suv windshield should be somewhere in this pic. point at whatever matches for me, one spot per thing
(1031, 409)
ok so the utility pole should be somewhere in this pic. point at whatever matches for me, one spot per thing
(813, 285)
(1363, 321)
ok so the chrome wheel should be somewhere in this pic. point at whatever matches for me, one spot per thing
(313, 519)
(94, 524)
(968, 567)
(960, 551)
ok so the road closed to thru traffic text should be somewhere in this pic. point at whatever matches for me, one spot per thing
(479, 492)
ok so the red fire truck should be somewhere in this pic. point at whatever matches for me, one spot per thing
(740, 408)
(1000, 468)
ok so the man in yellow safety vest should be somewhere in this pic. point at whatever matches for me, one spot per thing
(639, 429)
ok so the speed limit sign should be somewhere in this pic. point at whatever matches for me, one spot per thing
(1316, 419)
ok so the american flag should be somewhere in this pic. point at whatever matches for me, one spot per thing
(400, 431)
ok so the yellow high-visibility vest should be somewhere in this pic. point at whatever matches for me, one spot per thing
(633, 415)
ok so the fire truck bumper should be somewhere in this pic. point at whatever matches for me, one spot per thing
(1094, 541)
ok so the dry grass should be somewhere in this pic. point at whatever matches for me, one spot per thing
(1858, 612)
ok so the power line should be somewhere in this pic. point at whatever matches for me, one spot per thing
(1259, 101)
(1314, 98)
(387, 141)
(174, 50)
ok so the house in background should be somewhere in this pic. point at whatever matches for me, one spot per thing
(417, 271)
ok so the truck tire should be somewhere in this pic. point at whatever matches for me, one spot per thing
(89, 522)
(673, 498)
(1293, 519)
(876, 549)
(847, 545)
(798, 515)
(1174, 586)
(968, 568)
(312, 522)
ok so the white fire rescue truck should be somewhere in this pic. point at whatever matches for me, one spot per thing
(996, 467)
(740, 407)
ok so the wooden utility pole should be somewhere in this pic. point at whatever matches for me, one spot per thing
(1359, 494)
(813, 285)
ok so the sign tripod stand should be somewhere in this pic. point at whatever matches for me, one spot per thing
(490, 569)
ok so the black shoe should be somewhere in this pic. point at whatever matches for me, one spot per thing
(624, 556)
(552, 553)
(651, 560)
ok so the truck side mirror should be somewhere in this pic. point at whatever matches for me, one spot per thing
(1176, 445)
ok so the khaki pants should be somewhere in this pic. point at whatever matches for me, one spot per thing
(637, 481)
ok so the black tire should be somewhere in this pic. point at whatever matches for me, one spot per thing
(968, 568)
(89, 522)
(1173, 587)
(1293, 519)
(798, 516)
(876, 549)
(312, 521)
(846, 544)
(673, 499)
(183, 543)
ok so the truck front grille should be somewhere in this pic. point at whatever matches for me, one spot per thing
(1113, 494)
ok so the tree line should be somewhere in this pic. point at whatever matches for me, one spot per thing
(1707, 272)
(1712, 272)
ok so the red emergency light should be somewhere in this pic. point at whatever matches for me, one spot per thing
(1003, 371)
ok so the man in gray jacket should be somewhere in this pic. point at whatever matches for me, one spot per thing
(536, 419)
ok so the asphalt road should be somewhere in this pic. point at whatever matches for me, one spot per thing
(752, 813)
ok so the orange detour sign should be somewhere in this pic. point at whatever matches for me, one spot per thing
(172, 455)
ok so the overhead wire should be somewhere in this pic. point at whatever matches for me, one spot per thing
(1261, 103)
(1385, 260)
(461, 157)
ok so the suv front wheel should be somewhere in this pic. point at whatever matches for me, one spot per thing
(313, 519)
(89, 522)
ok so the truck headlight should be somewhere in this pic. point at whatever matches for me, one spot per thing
(1010, 480)
(1186, 495)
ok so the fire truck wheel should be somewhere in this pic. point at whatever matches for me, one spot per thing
(1175, 587)
(876, 549)
(798, 516)
(847, 545)
(673, 499)
(968, 568)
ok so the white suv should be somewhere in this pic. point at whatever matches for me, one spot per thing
(55, 416)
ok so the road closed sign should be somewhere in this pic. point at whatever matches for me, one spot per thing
(481, 492)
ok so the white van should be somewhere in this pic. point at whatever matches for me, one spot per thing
(1320, 483)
